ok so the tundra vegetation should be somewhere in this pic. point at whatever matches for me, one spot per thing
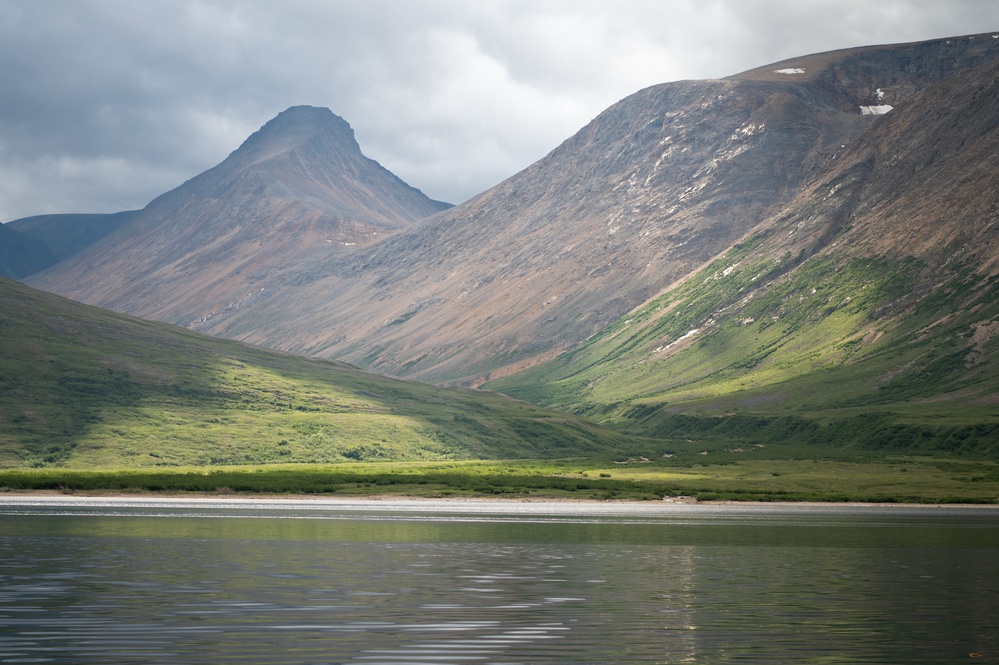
(96, 401)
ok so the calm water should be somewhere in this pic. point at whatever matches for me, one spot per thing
(417, 582)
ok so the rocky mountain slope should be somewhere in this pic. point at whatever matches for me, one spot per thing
(714, 202)
(297, 189)
(651, 190)
(871, 295)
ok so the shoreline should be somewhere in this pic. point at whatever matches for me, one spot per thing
(467, 505)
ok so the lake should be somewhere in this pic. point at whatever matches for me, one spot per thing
(127, 580)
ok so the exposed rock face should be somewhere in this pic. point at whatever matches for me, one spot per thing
(651, 189)
(921, 183)
(297, 188)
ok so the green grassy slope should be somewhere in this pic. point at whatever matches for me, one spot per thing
(84, 387)
(834, 352)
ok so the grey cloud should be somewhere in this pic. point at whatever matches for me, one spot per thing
(108, 103)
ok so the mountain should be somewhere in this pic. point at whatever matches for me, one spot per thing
(22, 255)
(806, 249)
(647, 193)
(297, 189)
(84, 387)
(866, 308)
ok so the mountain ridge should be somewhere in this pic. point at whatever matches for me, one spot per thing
(21, 255)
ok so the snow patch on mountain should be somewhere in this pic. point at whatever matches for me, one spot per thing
(879, 109)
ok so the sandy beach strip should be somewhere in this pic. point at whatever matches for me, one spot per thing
(14, 502)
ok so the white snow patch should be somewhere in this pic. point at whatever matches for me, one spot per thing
(679, 339)
(879, 109)
(790, 70)
(880, 93)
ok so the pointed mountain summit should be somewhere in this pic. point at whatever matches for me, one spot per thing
(297, 190)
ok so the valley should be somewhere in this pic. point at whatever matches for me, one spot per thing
(799, 263)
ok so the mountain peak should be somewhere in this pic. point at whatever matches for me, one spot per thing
(308, 118)
(297, 126)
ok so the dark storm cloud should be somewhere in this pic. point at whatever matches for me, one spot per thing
(108, 103)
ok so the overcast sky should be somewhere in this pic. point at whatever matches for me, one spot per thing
(105, 104)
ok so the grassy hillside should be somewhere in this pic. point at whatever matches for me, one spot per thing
(83, 387)
(841, 353)
(91, 400)
(863, 316)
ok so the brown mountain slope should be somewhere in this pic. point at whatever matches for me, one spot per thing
(874, 293)
(653, 188)
(922, 183)
(297, 188)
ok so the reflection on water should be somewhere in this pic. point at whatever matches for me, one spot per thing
(378, 588)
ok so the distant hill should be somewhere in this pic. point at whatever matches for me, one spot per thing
(84, 387)
(297, 190)
(66, 235)
(21, 255)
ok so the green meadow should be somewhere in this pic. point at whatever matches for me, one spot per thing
(813, 356)
(888, 480)
(85, 388)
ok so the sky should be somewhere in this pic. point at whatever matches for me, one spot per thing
(105, 104)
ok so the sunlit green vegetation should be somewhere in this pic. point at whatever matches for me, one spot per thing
(737, 477)
(82, 387)
(814, 353)
(92, 401)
